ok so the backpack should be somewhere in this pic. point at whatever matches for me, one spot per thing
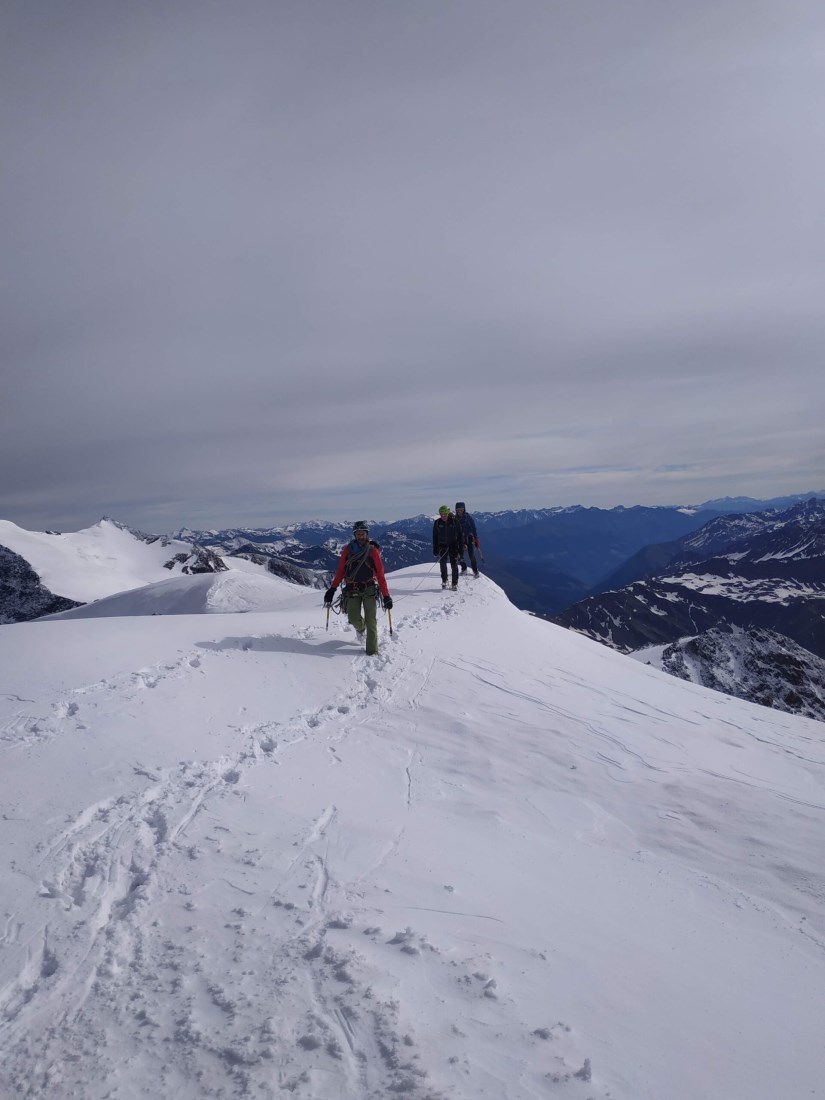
(359, 559)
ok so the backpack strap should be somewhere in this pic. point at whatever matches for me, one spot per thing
(356, 560)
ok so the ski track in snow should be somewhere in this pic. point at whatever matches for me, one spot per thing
(121, 944)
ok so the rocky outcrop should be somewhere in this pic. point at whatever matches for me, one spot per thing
(285, 569)
(200, 559)
(22, 594)
(758, 665)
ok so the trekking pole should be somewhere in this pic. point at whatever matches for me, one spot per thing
(328, 607)
(389, 616)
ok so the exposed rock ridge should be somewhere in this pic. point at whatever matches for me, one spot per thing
(22, 594)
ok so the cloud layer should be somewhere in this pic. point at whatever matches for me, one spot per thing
(272, 261)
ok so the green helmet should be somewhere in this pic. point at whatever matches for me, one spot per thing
(444, 510)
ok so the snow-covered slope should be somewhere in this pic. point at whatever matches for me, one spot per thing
(98, 561)
(498, 860)
(236, 590)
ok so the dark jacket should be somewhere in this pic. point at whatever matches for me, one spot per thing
(447, 535)
(468, 526)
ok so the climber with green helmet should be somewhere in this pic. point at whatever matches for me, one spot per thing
(448, 542)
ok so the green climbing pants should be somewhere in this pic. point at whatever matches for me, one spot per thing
(361, 607)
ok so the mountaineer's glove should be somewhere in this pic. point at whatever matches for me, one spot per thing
(329, 596)
(387, 601)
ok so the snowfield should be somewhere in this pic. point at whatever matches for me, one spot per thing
(741, 588)
(242, 859)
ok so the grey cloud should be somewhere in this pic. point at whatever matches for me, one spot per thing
(299, 252)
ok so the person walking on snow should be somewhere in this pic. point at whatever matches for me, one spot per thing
(448, 541)
(468, 530)
(362, 570)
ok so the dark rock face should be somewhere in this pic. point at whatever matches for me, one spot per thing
(289, 572)
(22, 595)
(758, 665)
(284, 569)
(199, 560)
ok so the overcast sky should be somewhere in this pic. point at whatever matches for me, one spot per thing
(269, 261)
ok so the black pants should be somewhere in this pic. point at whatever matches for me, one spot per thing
(470, 547)
(452, 553)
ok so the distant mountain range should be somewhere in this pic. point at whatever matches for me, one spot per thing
(762, 574)
(630, 578)
(545, 559)
(759, 570)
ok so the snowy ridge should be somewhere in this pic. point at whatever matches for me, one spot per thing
(234, 591)
(498, 860)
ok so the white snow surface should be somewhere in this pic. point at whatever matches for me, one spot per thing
(650, 655)
(95, 562)
(242, 859)
(238, 590)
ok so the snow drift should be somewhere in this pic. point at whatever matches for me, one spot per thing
(208, 593)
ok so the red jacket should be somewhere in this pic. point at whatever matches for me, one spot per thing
(375, 564)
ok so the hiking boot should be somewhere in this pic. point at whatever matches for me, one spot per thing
(454, 586)
(443, 584)
(463, 568)
(476, 573)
